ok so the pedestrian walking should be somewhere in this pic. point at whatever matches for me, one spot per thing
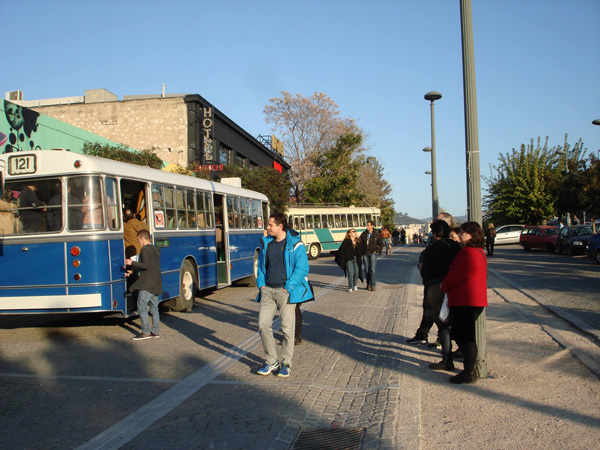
(466, 287)
(386, 237)
(282, 280)
(371, 245)
(349, 258)
(490, 237)
(148, 285)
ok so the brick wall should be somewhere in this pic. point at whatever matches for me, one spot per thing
(158, 124)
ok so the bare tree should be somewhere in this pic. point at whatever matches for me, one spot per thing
(308, 126)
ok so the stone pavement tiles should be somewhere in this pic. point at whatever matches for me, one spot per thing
(347, 373)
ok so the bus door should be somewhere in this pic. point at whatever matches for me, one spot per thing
(222, 240)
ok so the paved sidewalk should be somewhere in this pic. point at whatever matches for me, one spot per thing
(354, 370)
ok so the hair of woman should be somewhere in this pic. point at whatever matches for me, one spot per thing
(477, 236)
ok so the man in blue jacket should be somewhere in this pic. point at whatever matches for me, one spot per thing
(282, 280)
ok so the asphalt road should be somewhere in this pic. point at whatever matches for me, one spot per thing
(571, 283)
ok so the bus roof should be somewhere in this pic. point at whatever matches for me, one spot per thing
(62, 162)
(332, 210)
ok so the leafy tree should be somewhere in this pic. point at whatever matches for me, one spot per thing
(339, 172)
(580, 188)
(122, 153)
(525, 185)
(375, 189)
(266, 180)
(308, 126)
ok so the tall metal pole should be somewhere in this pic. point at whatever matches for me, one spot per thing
(567, 172)
(434, 192)
(471, 130)
(432, 96)
(472, 155)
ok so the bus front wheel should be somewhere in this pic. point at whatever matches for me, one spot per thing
(314, 251)
(188, 287)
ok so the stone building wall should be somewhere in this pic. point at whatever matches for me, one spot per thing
(159, 124)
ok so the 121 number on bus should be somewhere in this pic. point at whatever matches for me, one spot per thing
(19, 165)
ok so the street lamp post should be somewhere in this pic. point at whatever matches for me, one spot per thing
(560, 152)
(434, 198)
(433, 96)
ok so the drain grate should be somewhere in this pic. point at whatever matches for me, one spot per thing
(329, 439)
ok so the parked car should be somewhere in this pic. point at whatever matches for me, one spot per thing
(593, 250)
(574, 239)
(508, 234)
(544, 237)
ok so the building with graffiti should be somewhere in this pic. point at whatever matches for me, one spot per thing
(24, 129)
(179, 128)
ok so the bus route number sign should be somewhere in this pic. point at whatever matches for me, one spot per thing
(21, 164)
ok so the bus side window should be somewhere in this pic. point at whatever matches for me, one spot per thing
(317, 221)
(200, 210)
(170, 216)
(255, 213)
(230, 211)
(330, 221)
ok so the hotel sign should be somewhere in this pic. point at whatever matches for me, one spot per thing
(208, 132)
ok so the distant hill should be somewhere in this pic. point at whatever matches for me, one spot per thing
(403, 219)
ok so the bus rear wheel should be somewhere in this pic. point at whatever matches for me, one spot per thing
(188, 285)
(314, 251)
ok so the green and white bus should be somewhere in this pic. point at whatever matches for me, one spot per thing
(323, 228)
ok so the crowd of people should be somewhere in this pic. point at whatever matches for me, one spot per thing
(452, 266)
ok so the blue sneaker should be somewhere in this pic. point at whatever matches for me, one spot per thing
(284, 370)
(269, 368)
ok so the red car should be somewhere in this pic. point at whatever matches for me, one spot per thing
(544, 237)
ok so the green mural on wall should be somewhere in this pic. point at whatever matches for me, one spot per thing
(23, 129)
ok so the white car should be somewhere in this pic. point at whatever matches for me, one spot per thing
(508, 234)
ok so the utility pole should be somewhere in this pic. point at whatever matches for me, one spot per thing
(472, 155)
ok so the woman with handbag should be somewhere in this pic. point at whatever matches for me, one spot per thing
(466, 287)
(349, 258)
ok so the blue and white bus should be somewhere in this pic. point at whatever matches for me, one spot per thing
(66, 254)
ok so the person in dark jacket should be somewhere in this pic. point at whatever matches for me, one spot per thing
(148, 285)
(436, 262)
(422, 333)
(490, 238)
(372, 244)
(349, 257)
(30, 209)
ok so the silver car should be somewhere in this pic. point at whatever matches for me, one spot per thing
(508, 234)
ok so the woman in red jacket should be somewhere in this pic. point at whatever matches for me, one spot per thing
(466, 287)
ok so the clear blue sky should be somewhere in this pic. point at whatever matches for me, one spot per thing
(537, 68)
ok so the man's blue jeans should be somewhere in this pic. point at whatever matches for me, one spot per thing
(146, 299)
(370, 263)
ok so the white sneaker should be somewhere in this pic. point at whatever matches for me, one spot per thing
(356, 288)
(350, 290)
